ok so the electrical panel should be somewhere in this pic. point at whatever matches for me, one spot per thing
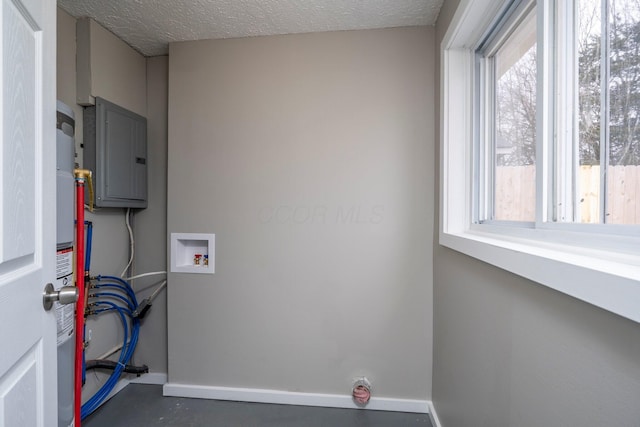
(115, 150)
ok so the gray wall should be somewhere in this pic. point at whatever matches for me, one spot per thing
(151, 223)
(108, 67)
(512, 353)
(311, 158)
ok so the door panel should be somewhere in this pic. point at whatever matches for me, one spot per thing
(20, 391)
(21, 50)
(27, 213)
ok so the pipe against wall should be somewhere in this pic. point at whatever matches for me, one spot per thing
(80, 176)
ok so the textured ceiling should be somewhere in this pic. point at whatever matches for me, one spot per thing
(149, 25)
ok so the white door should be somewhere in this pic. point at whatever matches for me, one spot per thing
(27, 212)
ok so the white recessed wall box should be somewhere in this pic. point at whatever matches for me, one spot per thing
(193, 253)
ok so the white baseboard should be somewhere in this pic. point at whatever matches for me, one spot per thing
(433, 415)
(293, 398)
(156, 378)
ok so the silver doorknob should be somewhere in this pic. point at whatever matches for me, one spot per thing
(66, 295)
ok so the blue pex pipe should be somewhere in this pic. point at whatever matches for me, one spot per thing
(87, 266)
(87, 259)
(131, 328)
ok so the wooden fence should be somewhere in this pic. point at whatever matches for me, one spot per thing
(515, 194)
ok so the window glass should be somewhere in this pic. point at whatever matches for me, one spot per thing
(609, 94)
(623, 177)
(589, 109)
(514, 142)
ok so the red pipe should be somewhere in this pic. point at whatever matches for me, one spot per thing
(80, 308)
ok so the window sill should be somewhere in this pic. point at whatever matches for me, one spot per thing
(596, 277)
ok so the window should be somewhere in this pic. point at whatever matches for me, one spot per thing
(541, 143)
(596, 145)
(507, 135)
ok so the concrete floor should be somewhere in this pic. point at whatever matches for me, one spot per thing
(143, 405)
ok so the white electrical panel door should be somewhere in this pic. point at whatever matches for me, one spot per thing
(28, 395)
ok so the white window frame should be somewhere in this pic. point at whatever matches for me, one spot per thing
(585, 261)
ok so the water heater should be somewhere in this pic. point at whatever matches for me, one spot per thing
(65, 162)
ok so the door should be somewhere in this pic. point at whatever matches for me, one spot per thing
(27, 212)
